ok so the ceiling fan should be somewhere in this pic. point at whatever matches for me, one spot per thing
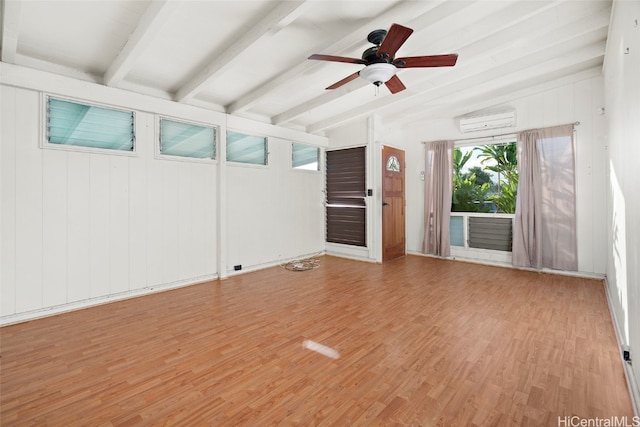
(380, 62)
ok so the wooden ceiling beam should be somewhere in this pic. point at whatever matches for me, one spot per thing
(401, 12)
(493, 52)
(519, 74)
(11, 11)
(282, 12)
(149, 26)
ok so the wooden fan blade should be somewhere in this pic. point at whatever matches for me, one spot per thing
(427, 61)
(395, 38)
(344, 81)
(395, 85)
(333, 58)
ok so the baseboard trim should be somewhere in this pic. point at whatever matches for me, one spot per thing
(585, 275)
(92, 302)
(257, 267)
(632, 384)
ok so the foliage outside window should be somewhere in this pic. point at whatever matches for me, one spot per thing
(485, 178)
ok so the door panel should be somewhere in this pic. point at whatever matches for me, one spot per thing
(393, 202)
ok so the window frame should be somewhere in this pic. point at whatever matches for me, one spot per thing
(158, 139)
(465, 215)
(247, 164)
(44, 128)
(477, 142)
(304, 170)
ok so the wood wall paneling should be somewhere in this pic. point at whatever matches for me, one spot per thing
(29, 198)
(139, 213)
(154, 218)
(78, 226)
(119, 224)
(100, 250)
(8, 200)
(54, 227)
(103, 224)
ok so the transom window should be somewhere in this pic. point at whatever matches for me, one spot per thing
(305, 157)
(83, 125)
(187, 139)
(243, 148)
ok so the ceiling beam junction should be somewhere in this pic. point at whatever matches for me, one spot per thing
(255, 31)
(149, 26)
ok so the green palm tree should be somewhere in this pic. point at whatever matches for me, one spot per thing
(506, 166)
(468, 194)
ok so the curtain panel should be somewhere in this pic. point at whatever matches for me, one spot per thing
(544, 234)
(438, 182)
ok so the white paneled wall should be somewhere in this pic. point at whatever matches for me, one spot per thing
(80, 228)
(622, 88)
(275, 213)
(580, 101)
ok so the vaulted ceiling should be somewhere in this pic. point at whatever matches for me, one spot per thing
(249, 58)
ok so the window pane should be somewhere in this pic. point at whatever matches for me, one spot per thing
(456, 231)
(305, 157)
(187, 140)
(485, 178)
(246, 148)
(71, 123)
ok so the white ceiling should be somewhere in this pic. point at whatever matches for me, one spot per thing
(249, 58)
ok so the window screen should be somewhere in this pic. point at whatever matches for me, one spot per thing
(243, 148)
(187, 140)
(75, 124)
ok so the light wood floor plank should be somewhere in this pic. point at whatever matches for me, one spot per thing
(422, 342)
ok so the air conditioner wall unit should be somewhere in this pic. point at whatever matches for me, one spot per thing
(493, 121)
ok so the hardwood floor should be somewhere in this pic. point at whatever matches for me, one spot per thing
(421, 341)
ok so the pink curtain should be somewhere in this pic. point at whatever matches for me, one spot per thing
(544, 234)
(438, 180)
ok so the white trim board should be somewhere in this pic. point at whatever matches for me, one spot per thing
(92, 302)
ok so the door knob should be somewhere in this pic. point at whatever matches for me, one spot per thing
(385, 204)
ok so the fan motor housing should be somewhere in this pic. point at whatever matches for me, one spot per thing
(376, 37)
(371, 56)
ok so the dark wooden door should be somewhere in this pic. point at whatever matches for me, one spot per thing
(393, 221)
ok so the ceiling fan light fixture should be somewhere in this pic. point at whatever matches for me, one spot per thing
(378, 73)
